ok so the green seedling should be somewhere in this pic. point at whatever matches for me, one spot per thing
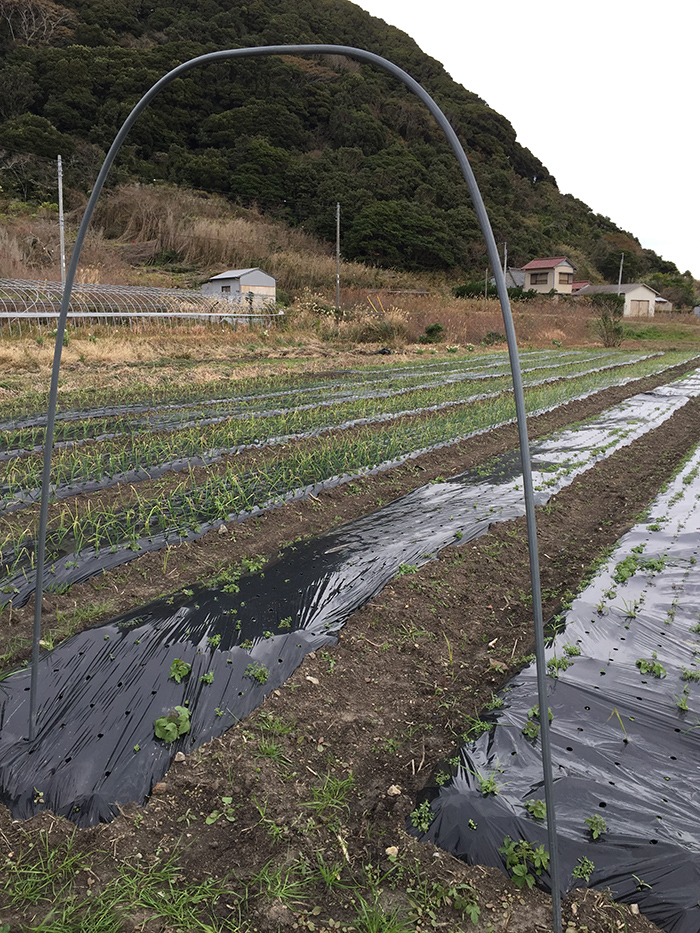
(422, 817)
(487, 785)
(554, 665)
(584, 869)
(207, 678)
(494, 703)
(682, 700)
(227, 812)
(475, 728)
(531, 729)
(524, 861)
(622, 725)
(655, 668)
(179, 670)
(214, 640)
(537, 809)
(406, 569)
(596, 824)
(174, 724)
(257, 672)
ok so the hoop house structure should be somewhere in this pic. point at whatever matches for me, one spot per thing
(25, 301)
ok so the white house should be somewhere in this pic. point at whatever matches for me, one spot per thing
(251, 288)
(554, 272)
(640, 300)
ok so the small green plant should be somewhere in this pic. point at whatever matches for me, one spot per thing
(537, 809)
(596, 824)
(690, 675)
(487, 785)
(257, 672)
(174, 724)
(179, 670)
(207, 678)
(227, 812)
(406, 569)
(331, 797)
(475, 728)
(682, 700)
(584, 869)
(524, 861)
(554, 665)
(655, 668)
(214, 640)
(285, 623)
(531, 729)
(622, 725)
(572, 651)
(422, 816)
(494, 703)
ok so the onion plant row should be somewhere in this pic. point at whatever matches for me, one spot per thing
(183, 394)
(105, 461)
(30, 439)
(173, 511)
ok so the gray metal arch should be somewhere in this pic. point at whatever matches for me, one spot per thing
(494, 260)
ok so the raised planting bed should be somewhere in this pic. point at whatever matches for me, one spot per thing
(624, 702)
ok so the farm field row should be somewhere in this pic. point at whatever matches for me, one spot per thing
(330, 766)
(264, 621)
(348, 403)
(28, 406)
(622, 676)
(94, 534)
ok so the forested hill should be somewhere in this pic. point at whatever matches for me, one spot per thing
(290, 135)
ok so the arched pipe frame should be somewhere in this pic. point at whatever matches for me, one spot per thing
(494, 259)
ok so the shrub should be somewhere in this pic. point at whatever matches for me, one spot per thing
(434, 333)
(607, 323)
(475, 290)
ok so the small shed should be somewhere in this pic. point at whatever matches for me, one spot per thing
(640, 299)
(248, 287)
(515, 278)
(553, 272)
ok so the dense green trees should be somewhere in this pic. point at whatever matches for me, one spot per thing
(292, 135)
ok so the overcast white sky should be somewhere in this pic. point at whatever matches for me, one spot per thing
(627, 74)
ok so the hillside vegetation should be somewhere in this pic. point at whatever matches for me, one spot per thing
(289, 136)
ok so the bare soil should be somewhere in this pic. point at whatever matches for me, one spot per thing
(384, 706)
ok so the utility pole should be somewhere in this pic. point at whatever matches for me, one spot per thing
(505, 262)
(61, 230)
(337, 259)
(619, 278)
